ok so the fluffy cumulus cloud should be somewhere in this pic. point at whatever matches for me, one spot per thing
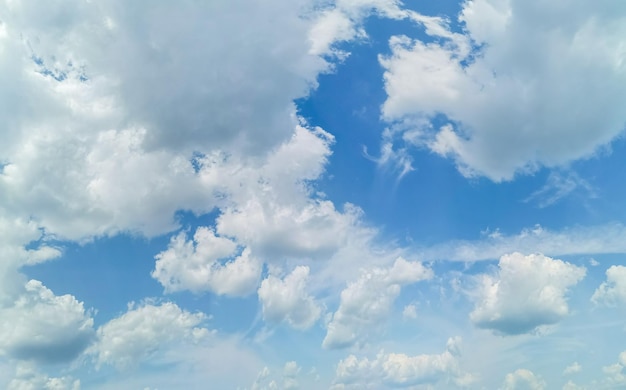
(400, 370)
(195, 265)
(42, 327)
(366, 303)
(523, 379)
(613, 291)
(521, 86)
(287, 299)
(526, 292)
(139, 333)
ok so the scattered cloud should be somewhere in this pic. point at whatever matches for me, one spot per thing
(366, 303)
(613, 291)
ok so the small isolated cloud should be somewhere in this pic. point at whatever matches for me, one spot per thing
(287, 299)
(524, 293)
(44, 327)
(574, 368)
(366, 303)
(613, 291)
(410, 311)
(523, 379)
(196, 265)
(140, 332)
(399, 370)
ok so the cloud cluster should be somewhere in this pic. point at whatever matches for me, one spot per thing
(520, 87)
(195, 265)
(400, 370)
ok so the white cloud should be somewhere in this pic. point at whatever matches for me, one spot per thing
(140, 332)
(366, 303)
(613, 291)
(541, 89)
(287, 299)
(400, 370)
(523, 379)
(195, 265)
(42, 327)
(574, 368)
(526, 292)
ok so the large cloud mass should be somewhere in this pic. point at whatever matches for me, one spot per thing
(543, 85)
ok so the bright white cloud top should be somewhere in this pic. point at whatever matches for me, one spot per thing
(190, 194)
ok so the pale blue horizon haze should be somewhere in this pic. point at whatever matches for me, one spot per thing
(312, 194)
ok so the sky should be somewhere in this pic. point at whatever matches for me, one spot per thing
(312, 194)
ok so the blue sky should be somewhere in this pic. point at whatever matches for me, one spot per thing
(337, 194)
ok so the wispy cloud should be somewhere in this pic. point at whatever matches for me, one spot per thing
(560, 185)
(609, 238)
